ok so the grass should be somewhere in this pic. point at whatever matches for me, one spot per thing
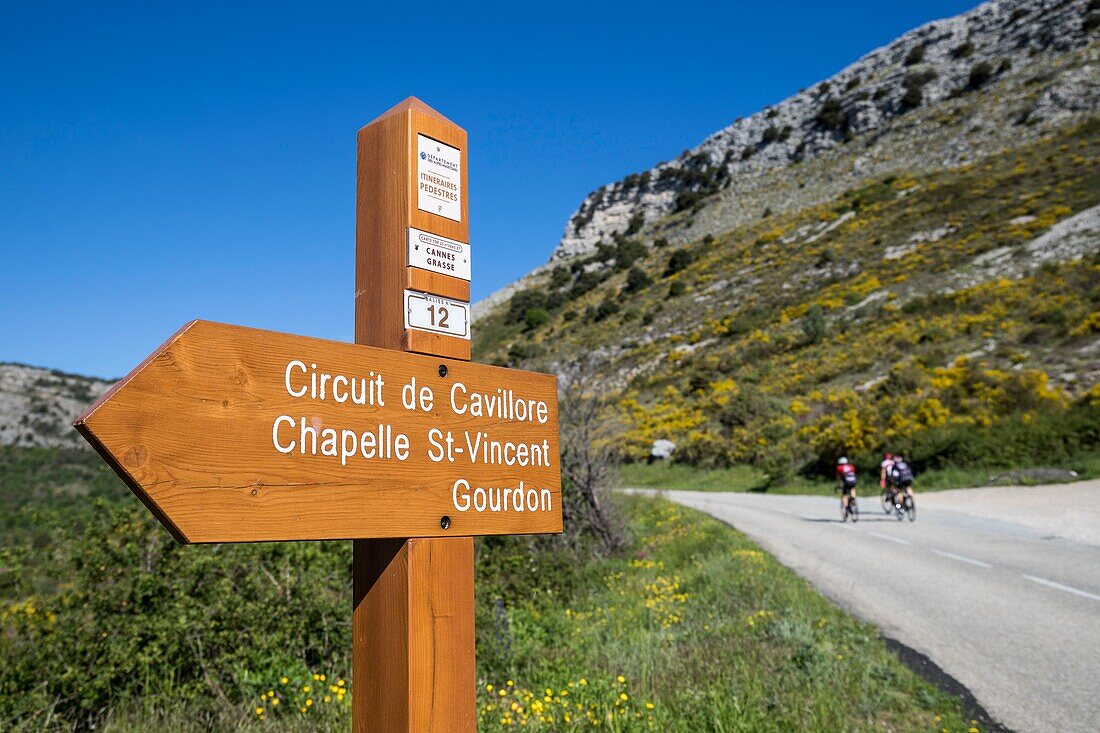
(668, 475)
(694, 629)
(1086, 465)
(681, 476)
(690, 628)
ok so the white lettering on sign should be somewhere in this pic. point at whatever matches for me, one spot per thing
(438, 178)
(438, 315)
(438, 254)
(381, 441)
(502, 405)
(496, 499)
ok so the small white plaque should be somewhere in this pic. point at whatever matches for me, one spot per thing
(438, 178)
(438, 254)
(438, 315)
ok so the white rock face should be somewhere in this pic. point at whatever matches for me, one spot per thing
(1067, 241)
(37, 406)
(1006, 36)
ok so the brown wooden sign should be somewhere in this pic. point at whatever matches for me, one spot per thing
(231, 434)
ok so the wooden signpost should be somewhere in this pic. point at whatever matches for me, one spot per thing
(398, 442)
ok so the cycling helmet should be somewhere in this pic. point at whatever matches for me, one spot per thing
(843, 461)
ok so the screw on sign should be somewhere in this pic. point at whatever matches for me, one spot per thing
(398, 442)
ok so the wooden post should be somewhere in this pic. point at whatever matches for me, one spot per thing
(228, 434)
(413, 620)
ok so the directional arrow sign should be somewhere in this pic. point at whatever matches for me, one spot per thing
(232, 434)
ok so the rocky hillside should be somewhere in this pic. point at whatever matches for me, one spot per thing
(906, 254)
(936, 63)
(37, 406)
(946, 93)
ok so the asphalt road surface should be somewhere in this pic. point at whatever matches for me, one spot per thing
(999, 587)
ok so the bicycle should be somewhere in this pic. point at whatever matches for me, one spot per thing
(852, 510)
(887, 499)
(907, 506)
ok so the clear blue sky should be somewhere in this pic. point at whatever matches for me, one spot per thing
(163, 162)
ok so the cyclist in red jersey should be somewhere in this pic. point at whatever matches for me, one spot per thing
(885, 469)
(845, 480)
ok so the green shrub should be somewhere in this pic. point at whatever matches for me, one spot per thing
(688, 199)
(520, 352)
(523, 301)
(813, 324)
(831, 116)
(915, 56)
(676, 289)
(559, 278)
(679, 260)
(962, 51)
(914, 88)
(141, 617)
(606, 309)
(912, 98)
(586, 281)
(637, 280)
(627, 252)
(980, 73)
(604, 252)
(535, 317)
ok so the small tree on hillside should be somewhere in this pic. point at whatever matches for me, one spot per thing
(587, 463)
(637, 280)
(535, 317)
(980, 73)
(813, 323)
(680, 259)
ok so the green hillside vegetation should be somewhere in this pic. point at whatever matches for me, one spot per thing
(48, 482)
(106, 622)
(787, 343)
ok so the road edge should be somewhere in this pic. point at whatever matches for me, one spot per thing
(929, 671)
(919, 663)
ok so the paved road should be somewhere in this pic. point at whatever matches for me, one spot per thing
(1000, 587)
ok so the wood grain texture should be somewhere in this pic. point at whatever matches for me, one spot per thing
(437, 284)
(423, 342)
(414, 636)
(413, 620)
(191, 432)
(386, 205)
